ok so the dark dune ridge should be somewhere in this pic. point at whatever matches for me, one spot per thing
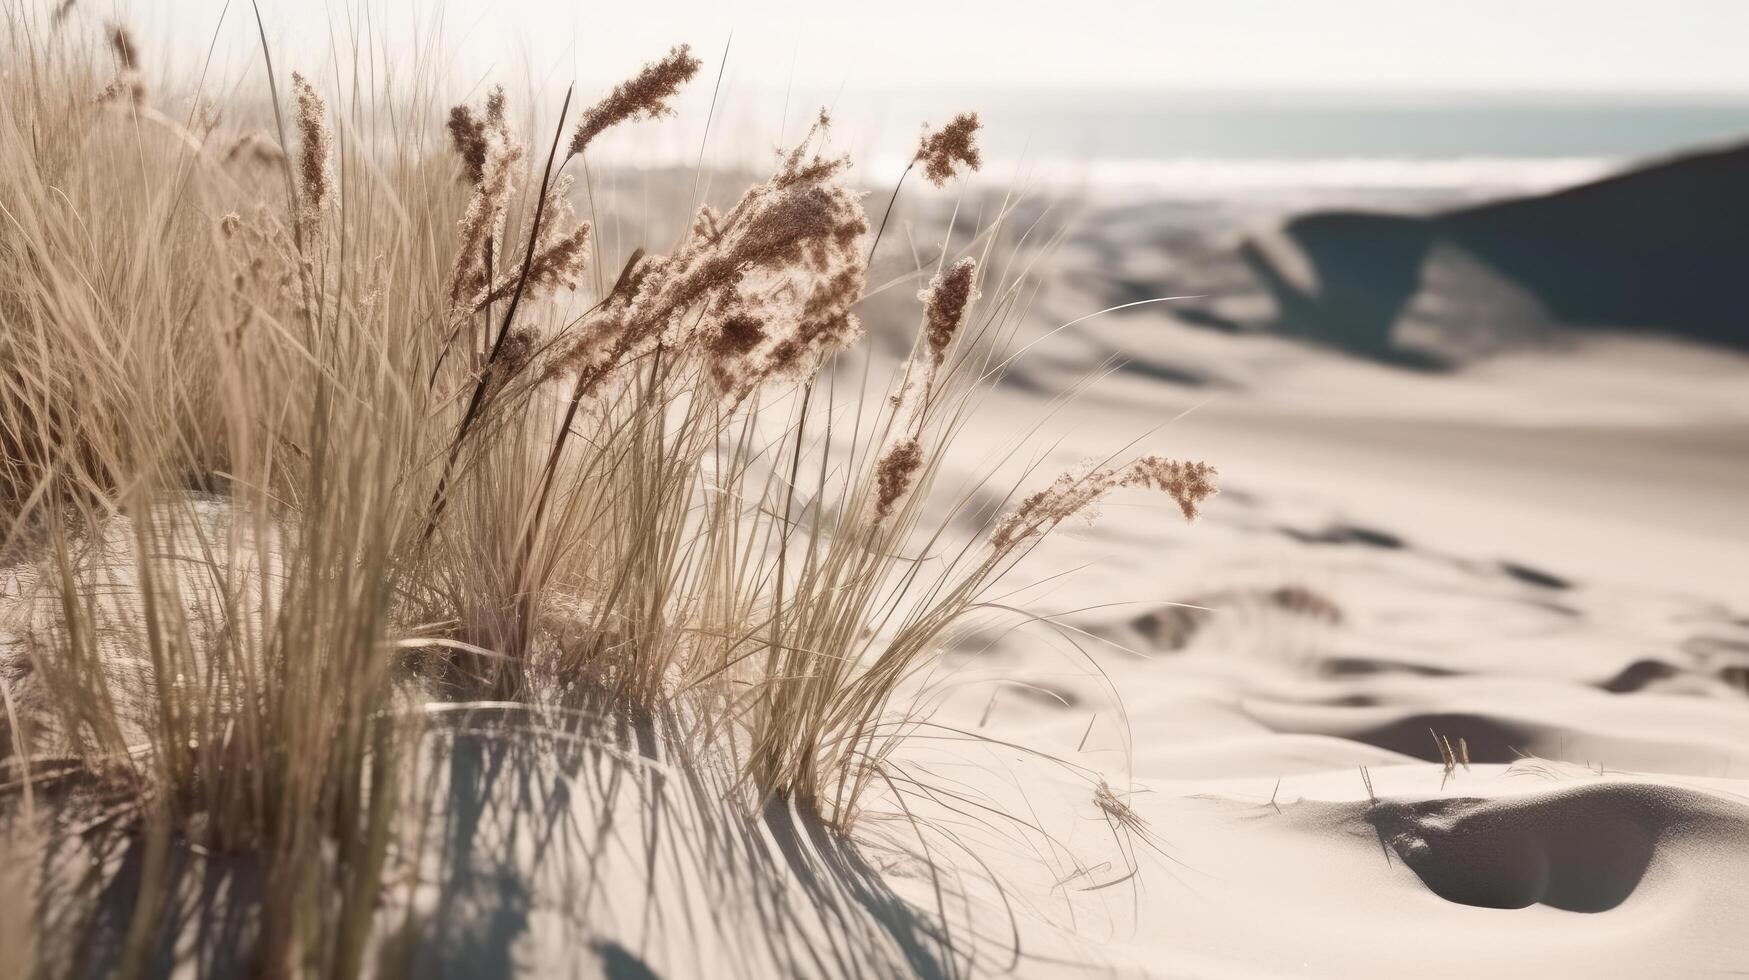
(1660, 249)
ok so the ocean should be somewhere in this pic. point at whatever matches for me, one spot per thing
(1220, 144)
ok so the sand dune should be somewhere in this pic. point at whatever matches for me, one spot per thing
(1539, 556)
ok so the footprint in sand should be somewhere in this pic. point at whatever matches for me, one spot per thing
(1583, 850)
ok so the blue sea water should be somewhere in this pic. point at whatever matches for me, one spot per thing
(1284, 126)
(1222, 142)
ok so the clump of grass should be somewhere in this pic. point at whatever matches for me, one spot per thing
(282, 476)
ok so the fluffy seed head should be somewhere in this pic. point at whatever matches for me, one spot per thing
(481, 222)
(316, 144)
(945, 303)
(942, 151)
(895, 474)
(1188, 484)
(645, 95)
(764, 289)
(560, 253)
(469, 133)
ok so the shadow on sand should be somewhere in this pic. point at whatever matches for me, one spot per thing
(593, 847)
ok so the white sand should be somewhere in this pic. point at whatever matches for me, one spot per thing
(1545, 555)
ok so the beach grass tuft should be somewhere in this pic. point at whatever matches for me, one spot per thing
(311, 431)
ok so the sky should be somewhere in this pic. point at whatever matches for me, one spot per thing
(1055, 81)
(1381, 46)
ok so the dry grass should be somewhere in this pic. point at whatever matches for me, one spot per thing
(308, 431)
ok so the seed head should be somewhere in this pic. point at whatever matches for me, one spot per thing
(945, 303)
(469, 134)
(645, 95)
(956, 143)
(895, 474)
(768, 284)
(480, 225)
(315, 145)
(1188, 484)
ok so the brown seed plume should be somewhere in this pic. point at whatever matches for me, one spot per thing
(645, 95)
(895, 474)
(481, 223)
(945, 303)
(559, 254)
(1188, 484)
(470, 134)
(769, 284)
(315, 146)
(942, 151)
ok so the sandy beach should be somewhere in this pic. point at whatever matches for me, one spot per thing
(1538, 556)
(498, 519)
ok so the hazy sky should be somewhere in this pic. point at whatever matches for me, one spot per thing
(1373, 45)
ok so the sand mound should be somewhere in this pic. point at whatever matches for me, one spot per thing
(1585, 849)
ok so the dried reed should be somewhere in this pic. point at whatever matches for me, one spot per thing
(284, 479)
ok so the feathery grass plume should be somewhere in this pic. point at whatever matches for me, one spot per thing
(482, 223)
(1188, 484)
(315, 149)
(469, 134)
(645, 95)
(561, 251)
(780, 270)
(61, 11)
(939, 152)
(895, 474)
(945, 303)
(942, 151)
